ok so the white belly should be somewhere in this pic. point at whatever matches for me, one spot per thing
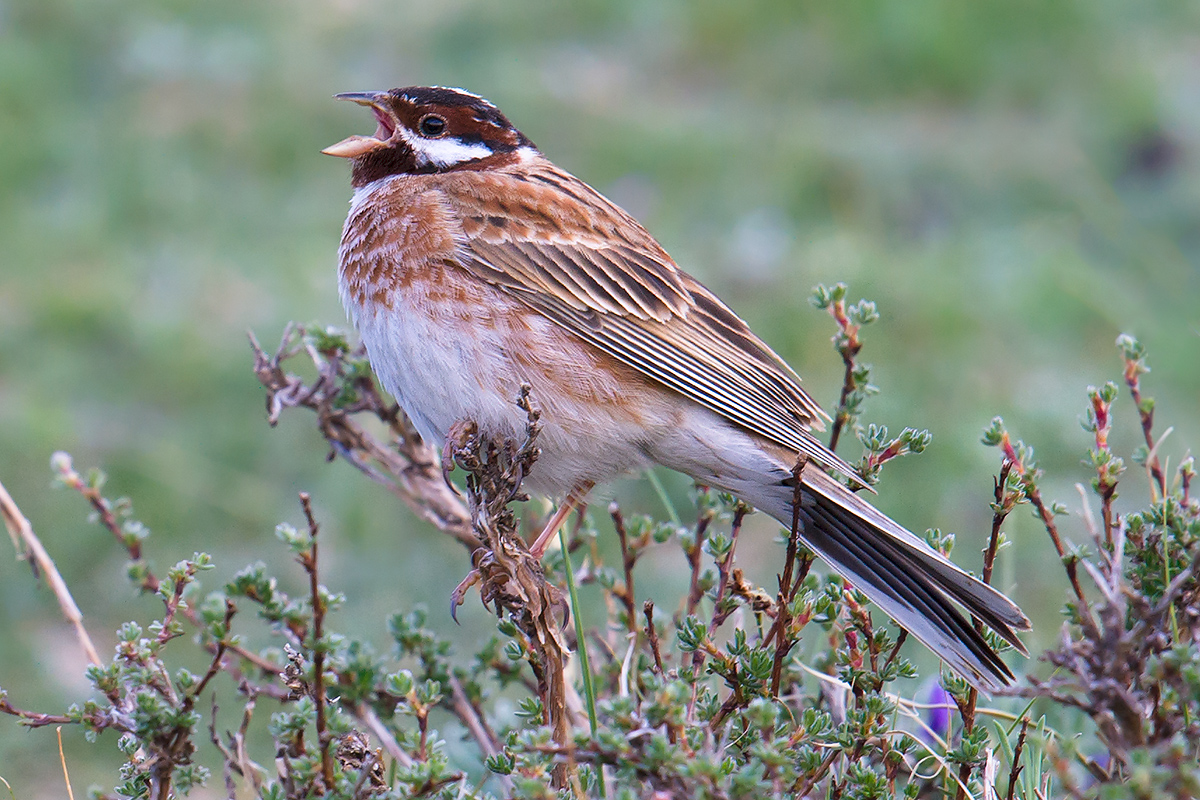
(437, 374)
(444, 366)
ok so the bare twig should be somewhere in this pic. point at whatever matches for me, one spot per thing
(150, 582)
(901, 638)
(1070, 563)
(62, 757)
(695, 591)
(1015, 771)
(652, 636)
(1133, 371)
(33, 719)
(215, 665)
(22, 533)
(470, 716)
(104, 514)
(848, 346)
(1003, 505)
(237, 761)
(367, 716)
(408, 467)
(1034, 495)
(230, 764)
(787, 589)
(473, 718)
(628, 559)
(366, 773)
(722, 608)
(308, 559)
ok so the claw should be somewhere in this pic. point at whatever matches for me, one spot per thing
(460, 591)
(447, 468)
(456, 438)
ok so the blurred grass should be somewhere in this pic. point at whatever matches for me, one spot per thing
(1014, 183)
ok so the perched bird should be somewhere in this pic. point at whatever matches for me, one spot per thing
(471, 264)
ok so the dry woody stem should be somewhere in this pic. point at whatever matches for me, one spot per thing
(308, 560)
(30, 547)
(407, 466)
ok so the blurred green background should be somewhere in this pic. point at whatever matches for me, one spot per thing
(1014, 183)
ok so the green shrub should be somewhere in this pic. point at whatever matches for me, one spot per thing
(702, 695)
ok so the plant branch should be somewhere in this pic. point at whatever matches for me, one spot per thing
(1015, 771)
(787, 589)
(695, 592)
(23, 536)
(628, 560)
(652, 636)
(407, 467)
(1135, 366)
(308, 560)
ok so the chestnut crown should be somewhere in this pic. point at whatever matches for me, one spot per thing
(426, 129)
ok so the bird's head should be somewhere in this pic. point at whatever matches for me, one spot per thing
(423, 129)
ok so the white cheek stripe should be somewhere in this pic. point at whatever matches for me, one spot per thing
(443, 152)
(448, 152)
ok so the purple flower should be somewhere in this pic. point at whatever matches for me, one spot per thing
(938, 714)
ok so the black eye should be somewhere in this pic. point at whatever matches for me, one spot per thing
(432, 125)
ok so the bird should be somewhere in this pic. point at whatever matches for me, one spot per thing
(472, 265)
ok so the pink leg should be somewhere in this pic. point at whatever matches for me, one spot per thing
(574, 498)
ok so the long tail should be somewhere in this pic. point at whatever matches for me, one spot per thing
(913, 584)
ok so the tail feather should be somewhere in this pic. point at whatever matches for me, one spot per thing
(976, 595)
(913, 602)
(911, 582)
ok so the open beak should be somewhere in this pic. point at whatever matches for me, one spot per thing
(355, 146)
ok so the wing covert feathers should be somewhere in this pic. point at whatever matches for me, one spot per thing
(586, 265)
